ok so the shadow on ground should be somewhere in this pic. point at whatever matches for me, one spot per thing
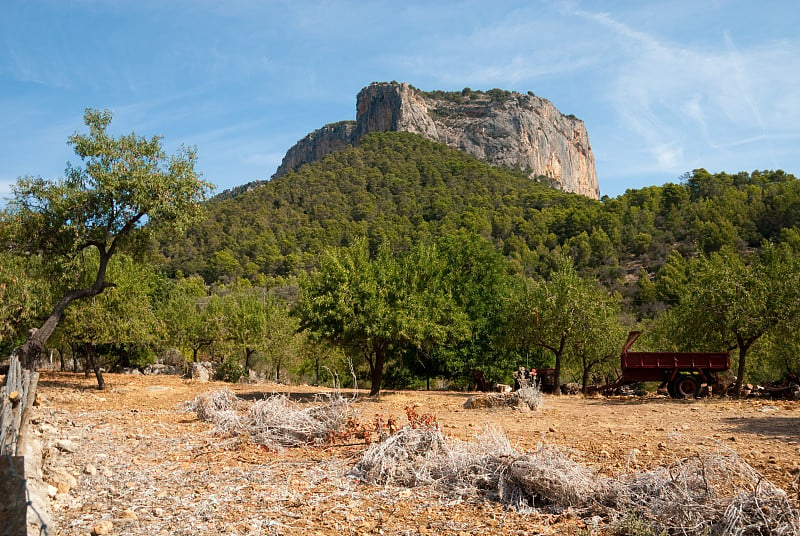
(784, 428)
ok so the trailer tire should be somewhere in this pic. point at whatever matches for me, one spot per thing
(671, 388)
(685, 386)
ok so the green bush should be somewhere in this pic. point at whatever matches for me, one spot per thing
(229, 371)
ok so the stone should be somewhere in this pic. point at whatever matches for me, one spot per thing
(102, 528)
(501, 128)
(61, 479)
(129, 514)
(90, 469)
(48, 429)
(66, 445)
(198, 372)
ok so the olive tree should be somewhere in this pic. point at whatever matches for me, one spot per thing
(124, 184)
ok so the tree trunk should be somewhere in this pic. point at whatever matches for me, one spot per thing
(377, 372)
(73, 348)
(248, 352)
(557, 372)
(33, 348)
(744, 346)
(92, 361)
(587, 369)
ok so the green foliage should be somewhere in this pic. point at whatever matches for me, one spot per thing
(24, 291)
(126, 185)
(378, 306)
(125, 182)
(396, 188)
(405, 250)
(567, 315)
(731, 301)
(229, 371)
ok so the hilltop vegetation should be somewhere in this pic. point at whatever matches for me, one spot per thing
(394, 187)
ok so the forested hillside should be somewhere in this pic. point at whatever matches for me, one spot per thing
(393, 187)
(399, 188)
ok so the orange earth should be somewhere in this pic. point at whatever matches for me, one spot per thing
(149, 467)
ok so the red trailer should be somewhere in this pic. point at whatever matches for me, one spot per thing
(682, 372)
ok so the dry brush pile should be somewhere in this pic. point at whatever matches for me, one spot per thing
(276, 422)
(714, 493)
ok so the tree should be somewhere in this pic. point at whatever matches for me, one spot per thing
(248, 319)
(23, 289)
(126, 184)
(732, 300)
(193, 324)
(567, 315)
(131, 298)
(382, 305)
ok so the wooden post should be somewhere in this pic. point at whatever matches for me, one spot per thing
(14, 505)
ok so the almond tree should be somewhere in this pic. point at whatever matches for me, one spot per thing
(378, 306)
(124, 185)
(567, 315)
(732, 301)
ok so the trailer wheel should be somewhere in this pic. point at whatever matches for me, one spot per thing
(685, 386)
(671, 388)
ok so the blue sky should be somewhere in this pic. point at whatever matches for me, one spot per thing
(664, 87)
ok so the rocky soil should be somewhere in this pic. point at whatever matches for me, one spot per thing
(131, 460)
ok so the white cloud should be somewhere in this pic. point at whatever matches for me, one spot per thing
(688, 103)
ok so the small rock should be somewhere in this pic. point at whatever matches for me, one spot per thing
(48, 429)
(552, 430)
(129, 514)
(102, 528)
(158, 512)
(52, 491)
(662, 446)
(66, 445)
(90, 469)
(62, 480)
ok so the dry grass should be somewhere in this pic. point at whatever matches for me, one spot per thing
(714, 492)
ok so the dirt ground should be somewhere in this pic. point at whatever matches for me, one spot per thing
(149, 467)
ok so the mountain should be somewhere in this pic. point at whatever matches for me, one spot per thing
(502, 128)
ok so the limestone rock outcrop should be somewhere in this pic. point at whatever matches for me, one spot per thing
(502, 128)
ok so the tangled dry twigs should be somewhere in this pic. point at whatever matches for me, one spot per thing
(275, 422)
(714, 493)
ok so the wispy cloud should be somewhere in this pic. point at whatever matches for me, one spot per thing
(686, 102)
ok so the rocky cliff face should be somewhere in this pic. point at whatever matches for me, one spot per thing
(499, 127)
